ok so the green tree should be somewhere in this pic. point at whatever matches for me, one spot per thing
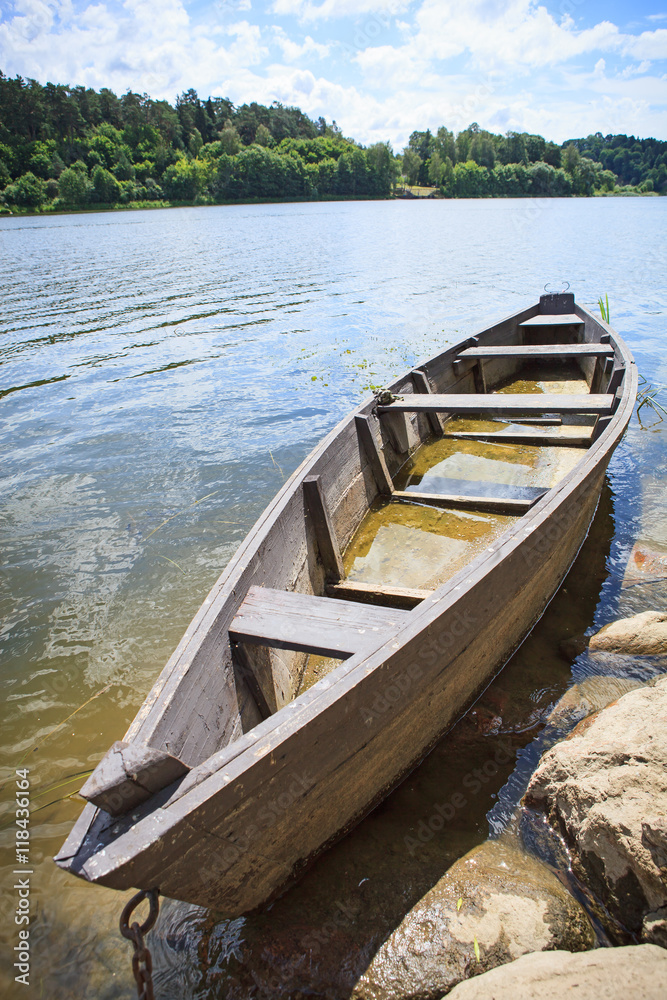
(28, 191)
(106, 187)
(512, 148)
(471, 180)
(411, 165)
(74, 185)
(585, 176)
(382, 168)
(436, 168)
(482, 150)
(551, 154)
(195, 143)
(445, 144)
(187, 180)
(229, 139)
(607, 180)
(535, 147)
(263, 137)
(570, 157)
(123, 169)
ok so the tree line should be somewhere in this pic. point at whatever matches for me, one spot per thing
(477, 163)
(67, 147)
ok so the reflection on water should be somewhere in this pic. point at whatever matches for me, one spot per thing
(162, 373)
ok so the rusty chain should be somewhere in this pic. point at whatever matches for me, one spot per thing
(142, 964)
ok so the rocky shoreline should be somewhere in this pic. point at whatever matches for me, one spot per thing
(500, 922)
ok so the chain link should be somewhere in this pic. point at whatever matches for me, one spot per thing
(142, 963)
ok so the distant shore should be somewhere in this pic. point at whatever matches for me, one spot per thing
(137, 206)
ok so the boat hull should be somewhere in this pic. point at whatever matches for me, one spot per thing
(246, 822)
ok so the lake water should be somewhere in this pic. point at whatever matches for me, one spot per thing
(161, 374)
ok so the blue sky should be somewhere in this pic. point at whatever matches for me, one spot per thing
(380, 68)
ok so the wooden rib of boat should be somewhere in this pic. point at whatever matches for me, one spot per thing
(232, 778)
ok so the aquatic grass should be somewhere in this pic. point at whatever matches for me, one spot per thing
(55, 729)
(61, 784)
(276, 465)
(179, 512)
(54, 802)
(173, 563)
(603, 303)
(50, 788)
(646, 397)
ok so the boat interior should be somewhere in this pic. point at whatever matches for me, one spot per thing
(395, 503)
(451, 479)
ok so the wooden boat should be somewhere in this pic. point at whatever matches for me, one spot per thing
(232, 778)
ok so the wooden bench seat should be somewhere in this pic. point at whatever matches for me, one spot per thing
(322, 625)
(493, 497)
(500, 403)
(539, 351)
(553, 319)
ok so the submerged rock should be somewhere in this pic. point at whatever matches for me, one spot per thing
(588, 696)
(646, 563)
(605, 789)
(612, 973)
(492, 906)
(641, 635)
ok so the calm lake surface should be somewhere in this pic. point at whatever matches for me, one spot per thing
(161, 374)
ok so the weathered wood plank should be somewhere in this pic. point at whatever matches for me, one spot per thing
(327, 542)
(497, 505)
(502, 403)
(479, 488)
(318, 625)
(423, 385)
(526, 437)
(392, 597)
(552, 319)
(537, 351)
(252, 680)
(128, 775)
(375, 456)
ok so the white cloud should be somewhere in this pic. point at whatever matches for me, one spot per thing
(330, 9)
(294, 51)
(648, 45)
(516, 66)
(640, 70)
(516, 33)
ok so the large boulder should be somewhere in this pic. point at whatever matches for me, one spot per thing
(605, 789)
(613, 973)
(492, 906)
(641, 635)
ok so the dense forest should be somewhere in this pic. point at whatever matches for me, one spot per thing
(67, 147)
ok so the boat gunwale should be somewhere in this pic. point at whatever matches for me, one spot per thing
(267, 736)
